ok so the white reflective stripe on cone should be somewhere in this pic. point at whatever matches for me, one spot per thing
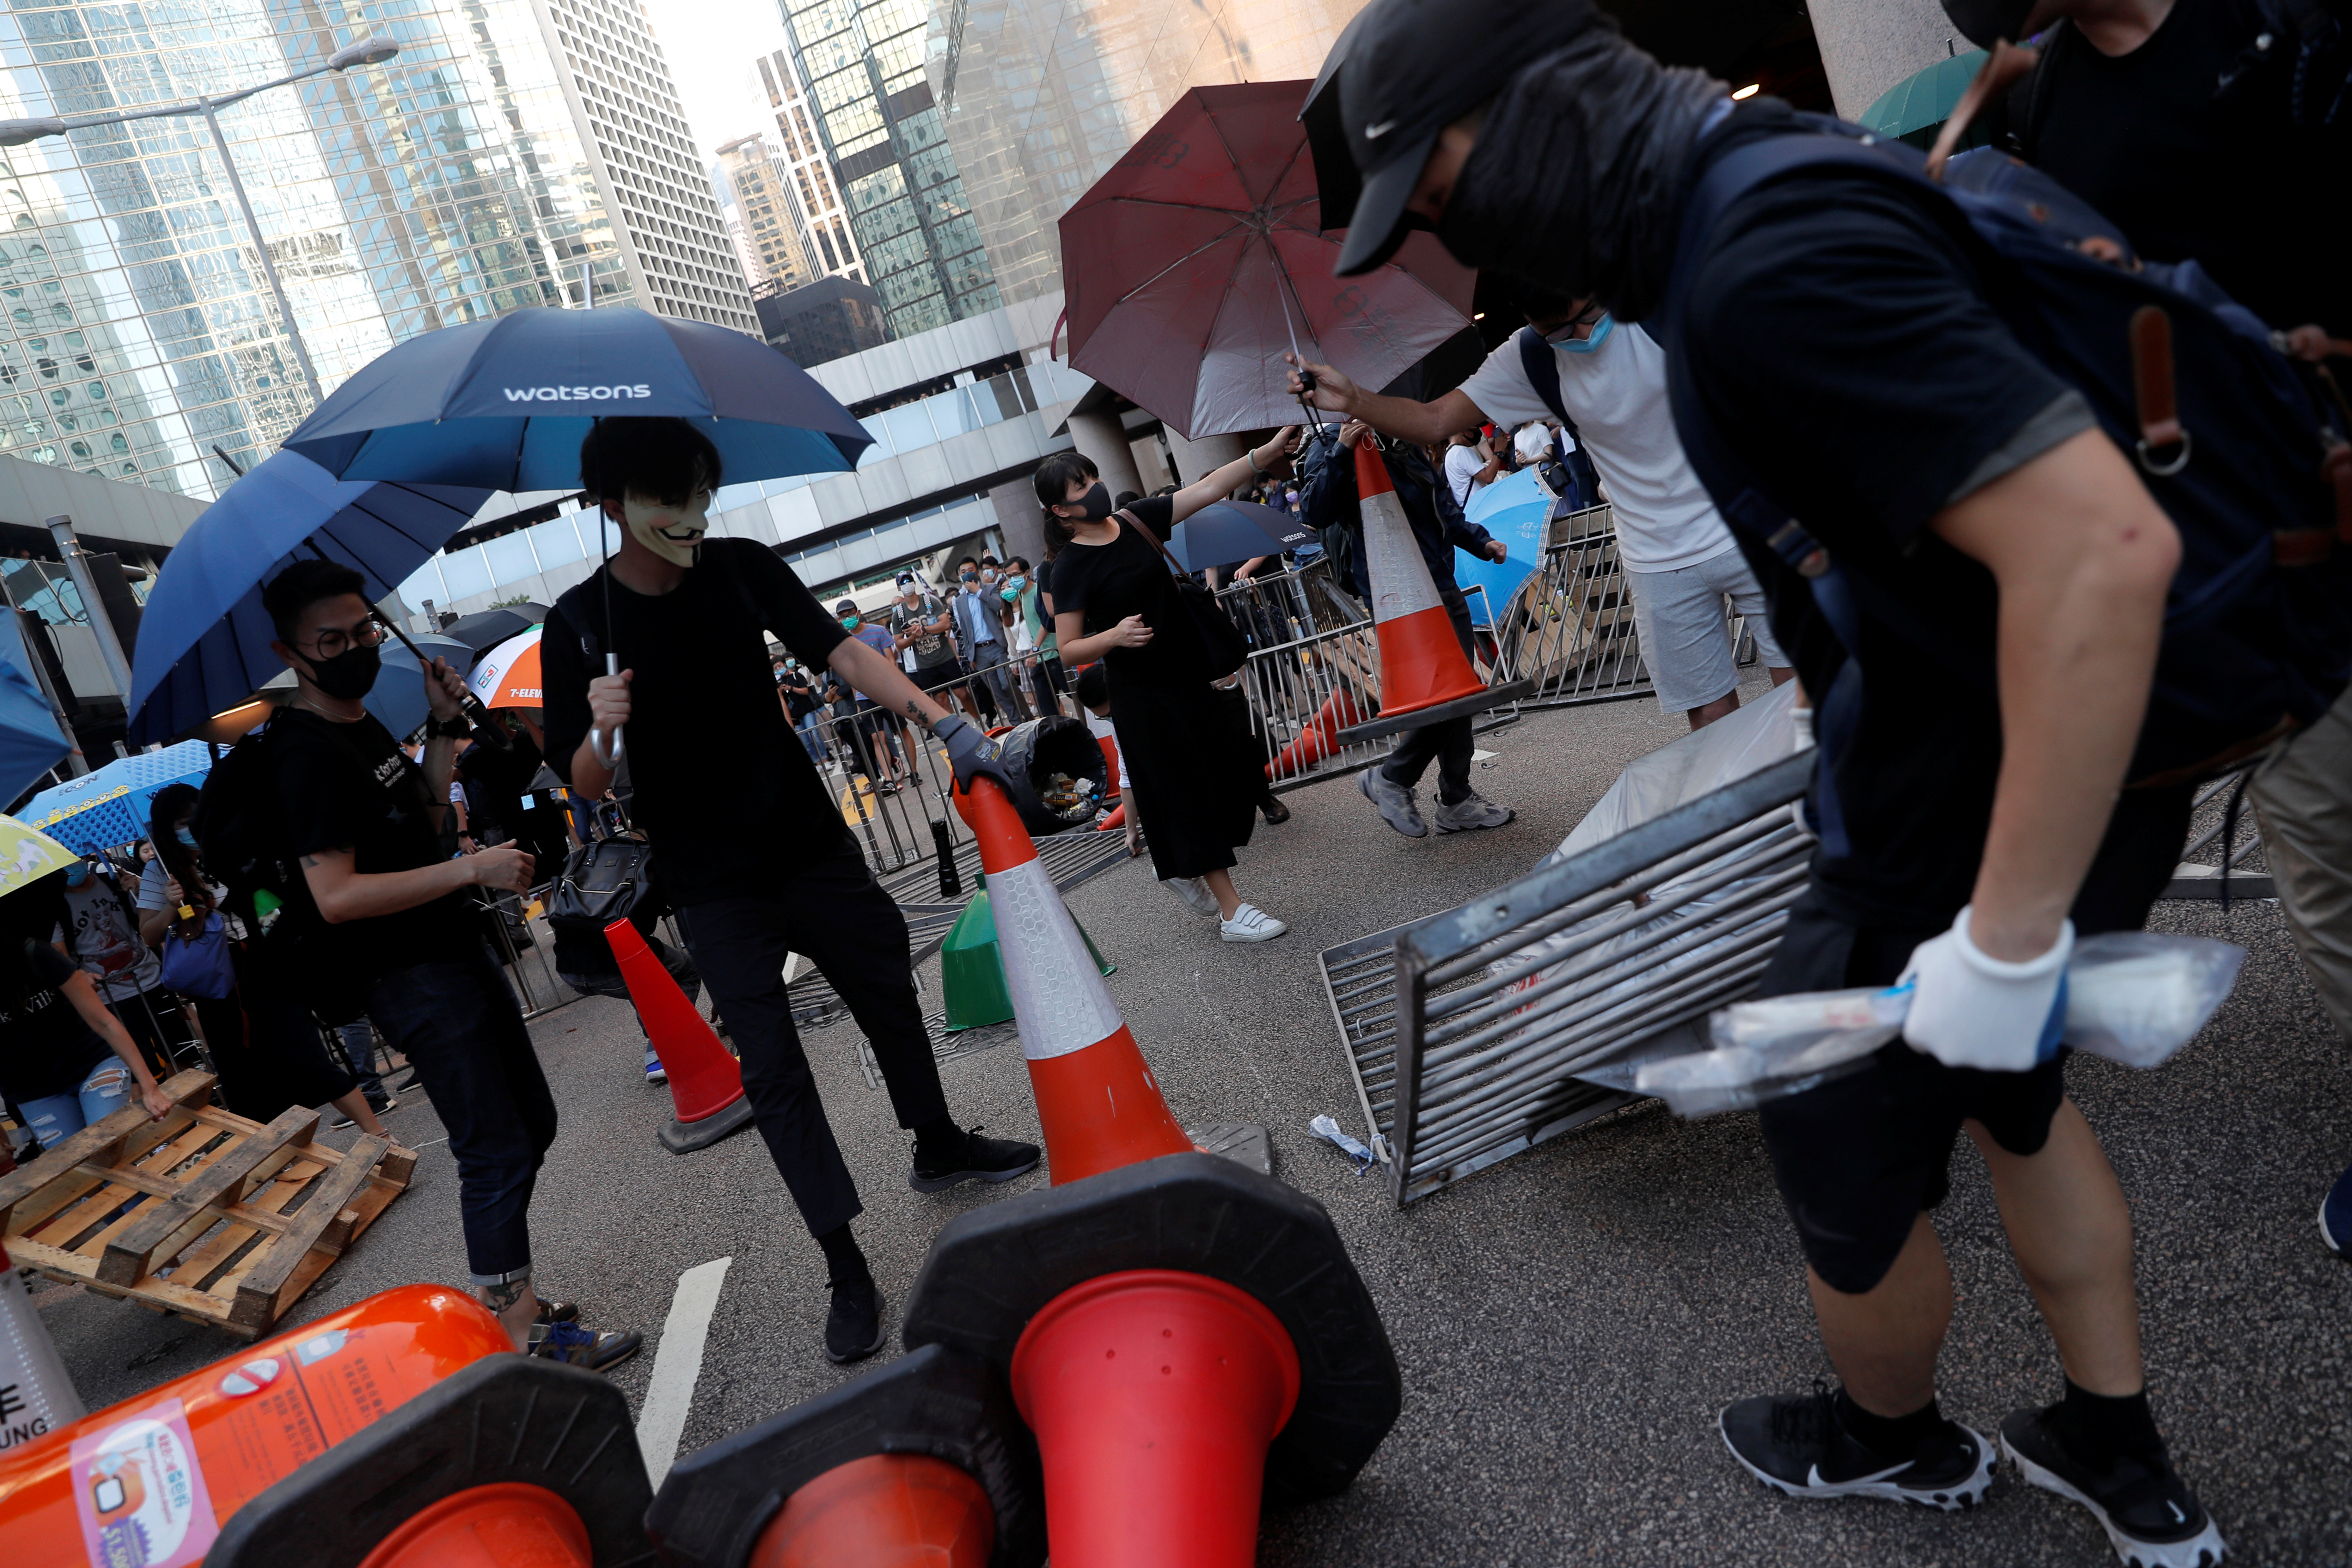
(1402, 584)
(1058, 997)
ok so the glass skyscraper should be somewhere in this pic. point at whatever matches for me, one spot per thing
(1041, 96)
(480, 170)
(863, 61)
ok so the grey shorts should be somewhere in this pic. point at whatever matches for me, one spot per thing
(1685, 639)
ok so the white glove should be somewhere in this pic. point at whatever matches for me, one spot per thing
(1971, 1010)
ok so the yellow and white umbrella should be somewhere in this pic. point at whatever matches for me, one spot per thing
(27, 856)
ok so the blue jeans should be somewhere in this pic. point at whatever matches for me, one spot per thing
(53, 1118)
(812, 729)
(456, 1023)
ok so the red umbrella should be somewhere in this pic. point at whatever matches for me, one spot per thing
(1196, 261)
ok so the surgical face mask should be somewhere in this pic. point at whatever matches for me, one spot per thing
(672, 532)
(1599, 335)
(1984, 22)
(350, 674)
(77, 873)
(1097, 501)
(987, 574)
(849, 623)
(185, 834)
(1013, 587)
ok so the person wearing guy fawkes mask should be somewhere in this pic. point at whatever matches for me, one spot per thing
(763, 866)
(364, 821)
(1836, 347)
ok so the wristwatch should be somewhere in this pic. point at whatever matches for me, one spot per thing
(452, 729)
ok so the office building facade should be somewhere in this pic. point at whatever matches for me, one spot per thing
(816, 199)
(870, 104)
(1040, 98)
(513, 149)
(762, 220)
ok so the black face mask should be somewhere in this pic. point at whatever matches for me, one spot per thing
(1985, 22)
(349, 675)
(1097, 501)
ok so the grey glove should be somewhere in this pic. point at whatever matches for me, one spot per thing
(972, 754)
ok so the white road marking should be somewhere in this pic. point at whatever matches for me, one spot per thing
(1482, 756)
(677, 1364)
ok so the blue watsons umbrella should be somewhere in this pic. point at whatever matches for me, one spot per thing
(204, 639)
(109, 806)
(1515, 509)
(1229, 530)
(505, 403)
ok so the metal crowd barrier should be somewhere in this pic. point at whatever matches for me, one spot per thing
(1487, 1029)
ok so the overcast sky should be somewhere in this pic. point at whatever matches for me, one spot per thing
(711, 45)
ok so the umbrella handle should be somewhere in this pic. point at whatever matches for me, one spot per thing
(620, 745)
(484, 729)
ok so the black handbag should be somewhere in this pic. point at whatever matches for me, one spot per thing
(1221, 639)
(604, 880)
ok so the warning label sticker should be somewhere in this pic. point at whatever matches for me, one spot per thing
(140, 1492)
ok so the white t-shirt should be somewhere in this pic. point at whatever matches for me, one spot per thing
(1463, 467)
(104, 939)
(1617, 395)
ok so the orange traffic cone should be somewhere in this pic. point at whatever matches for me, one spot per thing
(1097, 1099)
(1425, 678)
(1320, 738)
(705, 1084)
(1115, 817)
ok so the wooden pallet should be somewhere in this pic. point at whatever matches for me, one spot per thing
(213, 1215)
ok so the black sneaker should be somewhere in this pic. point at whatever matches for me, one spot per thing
(853, 1327)
(1796, 1446)
(980, 1160)
(568, 1341)
(2146, 1509)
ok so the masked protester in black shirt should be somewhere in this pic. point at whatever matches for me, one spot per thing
(365, 822)
(755, 854)
(1840, 339)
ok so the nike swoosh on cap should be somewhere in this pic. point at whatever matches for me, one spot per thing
(1374, 132)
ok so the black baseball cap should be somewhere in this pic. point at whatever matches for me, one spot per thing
(1413, 67)
(846, 607)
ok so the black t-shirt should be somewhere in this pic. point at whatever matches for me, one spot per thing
(352, 787)
(799, 700)
(723, 788)
(1842, 348)
(44, 1047)
(2190, 172)
(1128, 576)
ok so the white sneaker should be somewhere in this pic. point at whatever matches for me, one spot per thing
(1251, 923)
(1195, 892)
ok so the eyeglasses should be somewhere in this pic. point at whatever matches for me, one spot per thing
(333, 643)
(1589, 316)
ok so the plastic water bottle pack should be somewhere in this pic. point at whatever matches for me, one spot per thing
(2133, 997)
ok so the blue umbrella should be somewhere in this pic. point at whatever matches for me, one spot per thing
(30, 740)
(1228, 531)
(109, 806)
(505, 403)
(1517, 510)
(398, 695)
(204, 639)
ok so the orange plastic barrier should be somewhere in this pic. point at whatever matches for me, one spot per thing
(705, 1085)
(152, 1480)
(1096, 1100)
(888, 1510)
(1154, 1394)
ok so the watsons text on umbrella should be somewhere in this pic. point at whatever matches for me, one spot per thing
(574, 394)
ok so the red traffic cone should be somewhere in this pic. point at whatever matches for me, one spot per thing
(886, 1511)
(1109, 744)
(1424, 675)
(1203, 1373)
(705, 1084)
(1097, 1099)
(1320, 738)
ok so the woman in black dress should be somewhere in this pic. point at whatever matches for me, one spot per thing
(1195, 781)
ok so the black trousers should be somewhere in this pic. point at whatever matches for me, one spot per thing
(457, 1021)
(833, 914)
(1448, 744)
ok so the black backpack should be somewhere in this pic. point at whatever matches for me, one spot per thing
(239, 825)
(2232, 441)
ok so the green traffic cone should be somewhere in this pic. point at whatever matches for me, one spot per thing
(972, 970)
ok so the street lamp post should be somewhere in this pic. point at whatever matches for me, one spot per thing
(372, 50)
